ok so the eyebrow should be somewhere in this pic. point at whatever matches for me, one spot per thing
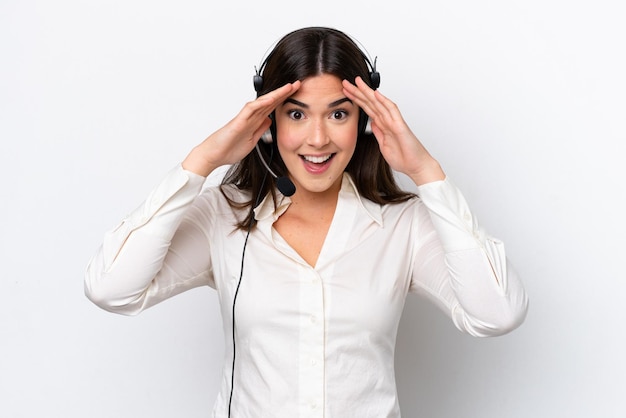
(306, 106)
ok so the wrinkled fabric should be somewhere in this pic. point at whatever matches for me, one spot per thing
(310, 341)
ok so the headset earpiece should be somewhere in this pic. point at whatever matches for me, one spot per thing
(364, 120)
(374, 75)
(375, 79)
(268, 136)
(257, 81)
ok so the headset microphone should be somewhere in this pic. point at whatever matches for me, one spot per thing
(284, 184)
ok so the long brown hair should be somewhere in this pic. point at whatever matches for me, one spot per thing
(301, 54)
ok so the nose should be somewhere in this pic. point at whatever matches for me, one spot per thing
(318, 136)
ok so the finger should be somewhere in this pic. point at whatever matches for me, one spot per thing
(366, 98)
(390, 106)
(275, 97)
(380, 108)
(354, 91)
(358, 97)
(375, 100)
(266, 104)
(257, 111)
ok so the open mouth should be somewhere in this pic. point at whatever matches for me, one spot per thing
(317, 164)
(315, 159)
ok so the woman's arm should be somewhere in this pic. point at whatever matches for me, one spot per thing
(156, 252)
(137, 265)
(462, 269)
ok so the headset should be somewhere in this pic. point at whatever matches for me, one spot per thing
(284, 184)
(374, 76)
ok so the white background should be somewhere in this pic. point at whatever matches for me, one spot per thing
(523, 103)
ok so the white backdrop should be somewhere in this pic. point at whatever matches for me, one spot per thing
(523, 102)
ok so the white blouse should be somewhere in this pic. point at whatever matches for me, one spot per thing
(310, 341)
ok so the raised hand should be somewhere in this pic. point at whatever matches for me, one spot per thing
(232, 142)
(398, 145)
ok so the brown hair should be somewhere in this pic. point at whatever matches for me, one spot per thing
(299, 55)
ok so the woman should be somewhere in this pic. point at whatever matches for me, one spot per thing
(311, 283)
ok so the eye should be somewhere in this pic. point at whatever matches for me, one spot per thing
(339, 114)
(295, 114)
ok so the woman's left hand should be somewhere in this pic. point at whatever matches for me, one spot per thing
(398, 145)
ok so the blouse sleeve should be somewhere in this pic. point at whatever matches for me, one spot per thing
(464, 270)
(154, 253)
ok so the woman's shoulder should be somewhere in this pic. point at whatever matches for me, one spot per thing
(410, 207)
(224, 195)
(220, 204)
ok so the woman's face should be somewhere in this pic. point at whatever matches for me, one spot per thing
(316, 131)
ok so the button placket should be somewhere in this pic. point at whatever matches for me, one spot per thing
(312, 343)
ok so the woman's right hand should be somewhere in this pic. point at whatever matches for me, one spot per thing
(235, 140)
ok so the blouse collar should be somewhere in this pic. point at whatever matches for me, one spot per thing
(265, 210)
